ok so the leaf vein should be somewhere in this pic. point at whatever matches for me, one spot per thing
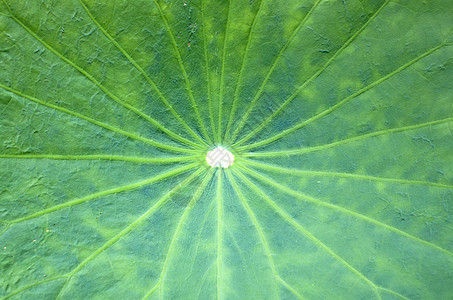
(31, 286)
(219, 233)
(342, 102)
(256, 225)
(241, 73)
(222, 74)
(129, 228)
(305, 232)
(271, 70)
(346, 141)
(156, 160)
(98, 123)
(274, 168)
(357, 215)
(150, 82)
(116, 190)
(184, 73)
(103, 88)
(196, 196)
(208, 85)
(314, 76)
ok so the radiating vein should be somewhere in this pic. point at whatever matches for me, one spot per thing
(219, 198)
(151, 82)
(208, 79)
(100, 124)
(393, 293)
(257, 226)
(31, 286)
(222, 74)
(263, 124)
(280, 170)
(290, 288)
(345, 141)
(241, 73)
(271, 70)
(186, 78)
(116, 190)
(103, 88)
(200, 229)
(129, 228)
(146, 160)
(203, 280)
(240, 258)
(289, 219)
(196, 196)
(341, 103)
(357, 215)
(6, 227)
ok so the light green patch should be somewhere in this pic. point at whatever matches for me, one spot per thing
(339, 115)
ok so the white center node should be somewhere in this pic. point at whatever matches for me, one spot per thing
(220, 157)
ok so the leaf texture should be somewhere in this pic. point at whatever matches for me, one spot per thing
(339, 115)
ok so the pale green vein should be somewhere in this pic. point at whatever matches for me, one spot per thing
(31, 286)
(151, 160)
(241, 73)
(222, 74)
(241, 260)
(357, 215)
(345, 141)
(116, 190)
(129, 228)
(257, 226)
(6, 228)
(341, 103)
(100, 124)
(290, 288)
(103, 88)
(393, 293)
(219, 198)
(208, 79)
(203, 280)
(196, 196)
(5, 107)
(280, 170)
(200, 229)
(183, 70)
(289, 219)
(255, 99)
(151, 291)
(152, 83)
(262, 125)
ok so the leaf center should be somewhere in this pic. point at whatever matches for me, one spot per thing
(220, 157)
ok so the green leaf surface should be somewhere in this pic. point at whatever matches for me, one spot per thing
(339, 115)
